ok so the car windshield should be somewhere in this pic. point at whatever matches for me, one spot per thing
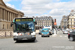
(44, 30)
(73, 30)
(24, 26)
(70, 29)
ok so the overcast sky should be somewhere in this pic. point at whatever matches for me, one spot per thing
(54, 8)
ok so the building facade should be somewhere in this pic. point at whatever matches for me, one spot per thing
(64, 22)
(44, 21)
(7, 14)
(71, 20)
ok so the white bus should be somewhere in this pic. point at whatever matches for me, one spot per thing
(24, 29)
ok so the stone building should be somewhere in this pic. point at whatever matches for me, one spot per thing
(44, 21)
(7, 14)
(71, 20)
(64, 22)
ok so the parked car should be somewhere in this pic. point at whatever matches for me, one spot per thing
(53, 31)
(45, 32)
(67, 29)
(65, 32)
(71, 36)
(50, 32)
(58, 29)
(73, 30)
(70, 30)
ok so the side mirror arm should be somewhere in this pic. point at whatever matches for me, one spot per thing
(35, 23)
(12, 24)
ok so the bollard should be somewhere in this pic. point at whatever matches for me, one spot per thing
(5, 34)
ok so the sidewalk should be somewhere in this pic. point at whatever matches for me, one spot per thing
(37, 31)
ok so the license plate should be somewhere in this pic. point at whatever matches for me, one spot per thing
(65, 32)
(24, 39)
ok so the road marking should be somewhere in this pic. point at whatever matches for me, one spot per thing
(60, 36)
(54, 35)
(39, 36)
(65, 36)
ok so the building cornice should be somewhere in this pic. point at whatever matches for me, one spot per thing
(10, 9)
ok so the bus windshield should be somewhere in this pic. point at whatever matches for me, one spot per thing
(24, 26)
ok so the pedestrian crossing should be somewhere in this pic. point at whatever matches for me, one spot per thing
(61, 36)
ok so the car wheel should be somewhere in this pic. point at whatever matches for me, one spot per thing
(33, 40)
(48, 35)
(17, 40)
(71, 39)
(40, 33)
(41, 36)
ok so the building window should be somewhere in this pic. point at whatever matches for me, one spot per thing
(71, 19)
(71, 26)
(74, 19)
(3, 26)
(7, 26)
(3, 14)
(71, 23)
(74, 23)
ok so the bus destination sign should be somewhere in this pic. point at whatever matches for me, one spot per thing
(23, 19)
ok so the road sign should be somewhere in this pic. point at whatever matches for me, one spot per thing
(55, 23)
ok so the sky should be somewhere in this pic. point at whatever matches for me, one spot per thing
(54, 8)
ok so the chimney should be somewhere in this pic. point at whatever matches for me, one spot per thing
(55, 20)
(72, 10)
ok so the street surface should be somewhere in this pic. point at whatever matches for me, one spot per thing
(54, 42)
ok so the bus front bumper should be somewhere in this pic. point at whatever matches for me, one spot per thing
(25, 37)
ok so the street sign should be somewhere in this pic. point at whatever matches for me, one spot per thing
(55, 23)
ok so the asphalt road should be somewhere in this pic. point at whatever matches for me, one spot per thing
(57, 41)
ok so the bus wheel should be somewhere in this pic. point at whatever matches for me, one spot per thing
(33, 39)
(17, 41)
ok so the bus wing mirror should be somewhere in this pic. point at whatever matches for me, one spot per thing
(35, 22)
(12, 24)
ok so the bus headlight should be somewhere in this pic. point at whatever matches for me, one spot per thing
(19, 34)
(15, 34)
(33, 33)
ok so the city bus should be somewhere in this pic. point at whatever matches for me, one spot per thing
(24, 29)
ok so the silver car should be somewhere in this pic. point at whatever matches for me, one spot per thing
(65, 32)
(70, 30)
